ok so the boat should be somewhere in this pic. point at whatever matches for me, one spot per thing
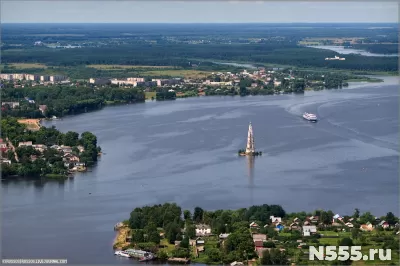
(310, 117)
(122, 254)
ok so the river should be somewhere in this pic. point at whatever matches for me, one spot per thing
(184, 151)
(343, 50)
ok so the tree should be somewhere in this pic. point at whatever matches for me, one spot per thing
(214, 255)
(198, 214)
(356, 214)
(391, 219)
(269, 244)
(162, 255)
(184, 243)
(355, 233)
(138, 236)
(274, 257)
(190, 231)
(187, 215)
(345, 242)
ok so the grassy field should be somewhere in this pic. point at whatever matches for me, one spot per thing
(187, 73)
(118, 67)
(168, 247)
(150, 94)
(25, 65)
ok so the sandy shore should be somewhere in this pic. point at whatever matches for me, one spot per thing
(32, 124)
(120, 238)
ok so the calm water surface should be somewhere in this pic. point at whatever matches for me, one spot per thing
(184, 151)
(342, 50)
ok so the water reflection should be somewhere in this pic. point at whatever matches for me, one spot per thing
(250, 168)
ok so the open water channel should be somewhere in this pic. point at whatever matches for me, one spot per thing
(185, 151)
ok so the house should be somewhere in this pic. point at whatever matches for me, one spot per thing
(254, 225)
(5, 161)
(223, 236)
(279, 227)
(236, 263)
(275, 219)
(42, 108)
(258, 244)
(384, 224)
(199, 241)
(81, 148)
(71, 158)
(39, 147)
(314, 219)
(348, 224)
(56, 147)
(203, 229)
(177, 243)
(66, 149)
(294, 226)
(192, 242)
(25, 143)
(367, 227)
(296, 220)
(3, 146)
(307, 223)
(260, 237)
(309, 230)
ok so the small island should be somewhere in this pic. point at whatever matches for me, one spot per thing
(258, 235)
(250, 148)
(29, 150)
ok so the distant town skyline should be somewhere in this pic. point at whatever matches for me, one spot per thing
(188, 11)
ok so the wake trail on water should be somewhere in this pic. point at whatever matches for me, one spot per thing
(338, 129)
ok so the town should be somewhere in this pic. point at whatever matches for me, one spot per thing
(18, 98)
(258, 235)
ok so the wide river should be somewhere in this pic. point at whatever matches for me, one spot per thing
(184, 151)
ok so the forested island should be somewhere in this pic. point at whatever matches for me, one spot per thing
(45, 152)
(263, 234)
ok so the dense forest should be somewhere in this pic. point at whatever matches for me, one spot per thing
(282, 53)
(65, 100)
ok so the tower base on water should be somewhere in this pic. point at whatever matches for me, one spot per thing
(244, 153)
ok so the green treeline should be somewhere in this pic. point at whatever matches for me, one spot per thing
(65, 100)
(283, 53)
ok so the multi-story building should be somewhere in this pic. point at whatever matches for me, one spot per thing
(162, 82)
(136, 79)
(32, 77)
(57, 78)
(99, 81)
(44, 78)
(11, 104)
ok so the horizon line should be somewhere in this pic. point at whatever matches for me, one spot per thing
(295, 22)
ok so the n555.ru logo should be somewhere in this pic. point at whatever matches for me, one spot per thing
(344, 253)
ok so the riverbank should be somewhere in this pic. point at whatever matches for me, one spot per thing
(123, 231)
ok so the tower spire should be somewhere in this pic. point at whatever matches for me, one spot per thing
(250, 141)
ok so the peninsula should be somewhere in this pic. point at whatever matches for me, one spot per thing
(263, 234)
(36, 152)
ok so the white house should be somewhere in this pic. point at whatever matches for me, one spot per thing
(203, 229)
(275, 219)
(309, 229)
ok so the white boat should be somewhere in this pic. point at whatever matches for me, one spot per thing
(122, 254)
(310, 117)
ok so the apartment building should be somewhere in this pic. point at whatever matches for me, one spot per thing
(99, 81)
(57, 78)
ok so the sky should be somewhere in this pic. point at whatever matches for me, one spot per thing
(188, 11)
